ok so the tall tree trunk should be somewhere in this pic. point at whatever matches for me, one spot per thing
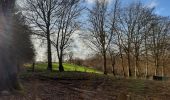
(156, 71)
(113, 69)
(156, 64)
(146, 55)
(104, 63)
(9, 73)
(129, 58)
(136, 66)
(124, 73)
(113, 66)
(163, 68)
(8, 64)
(156, 67)
(61, 68)
(33, 67)
(49, 67)
(146, 69)
(122, 62)
(163, 71)
(135, 70)
(129, 66)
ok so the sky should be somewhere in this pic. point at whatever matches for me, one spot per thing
(162, 6)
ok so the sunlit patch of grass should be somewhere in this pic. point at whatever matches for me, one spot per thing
(39, 67)
(72, 72)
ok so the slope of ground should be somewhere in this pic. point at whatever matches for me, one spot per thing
(89, 87)
(69, 85)
(67, 67)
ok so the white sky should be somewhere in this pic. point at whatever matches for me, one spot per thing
(92, 1)
(79, 49)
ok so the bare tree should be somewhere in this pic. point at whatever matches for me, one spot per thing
(115, 36)
(158, 44)
(148, 19)
(127, 20)
(144, 18)
(102, 28)
(70, 55)
(113, 56)
(98, 36)
(165, 42)
(119, 44)
(67, 23)
(41, 15)
(133, 22)
(146, 50)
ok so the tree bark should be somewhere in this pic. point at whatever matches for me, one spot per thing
(146, 55)
(135, 71)
(33, 67)
(104, 63)
(61, 68)
(8, 64)
(9, 71)
(121, 57)
(163, 69)
(129, 66)
(156, 69)
(146, 69)
(124, 73)
(136, 66)
(49, 51)
(113, 69)
(113, 60)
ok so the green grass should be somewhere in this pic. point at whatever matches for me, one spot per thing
(72, 71)
(137, 85)
(67, 67)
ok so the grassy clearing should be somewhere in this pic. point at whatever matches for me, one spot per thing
(67, 67)
(72, 71)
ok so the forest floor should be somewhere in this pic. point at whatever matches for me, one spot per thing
(88, 86)
(82, 83)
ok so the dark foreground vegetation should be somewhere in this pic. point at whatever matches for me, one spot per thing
(73, 85)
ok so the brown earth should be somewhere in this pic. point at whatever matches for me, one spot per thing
(36, 88)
